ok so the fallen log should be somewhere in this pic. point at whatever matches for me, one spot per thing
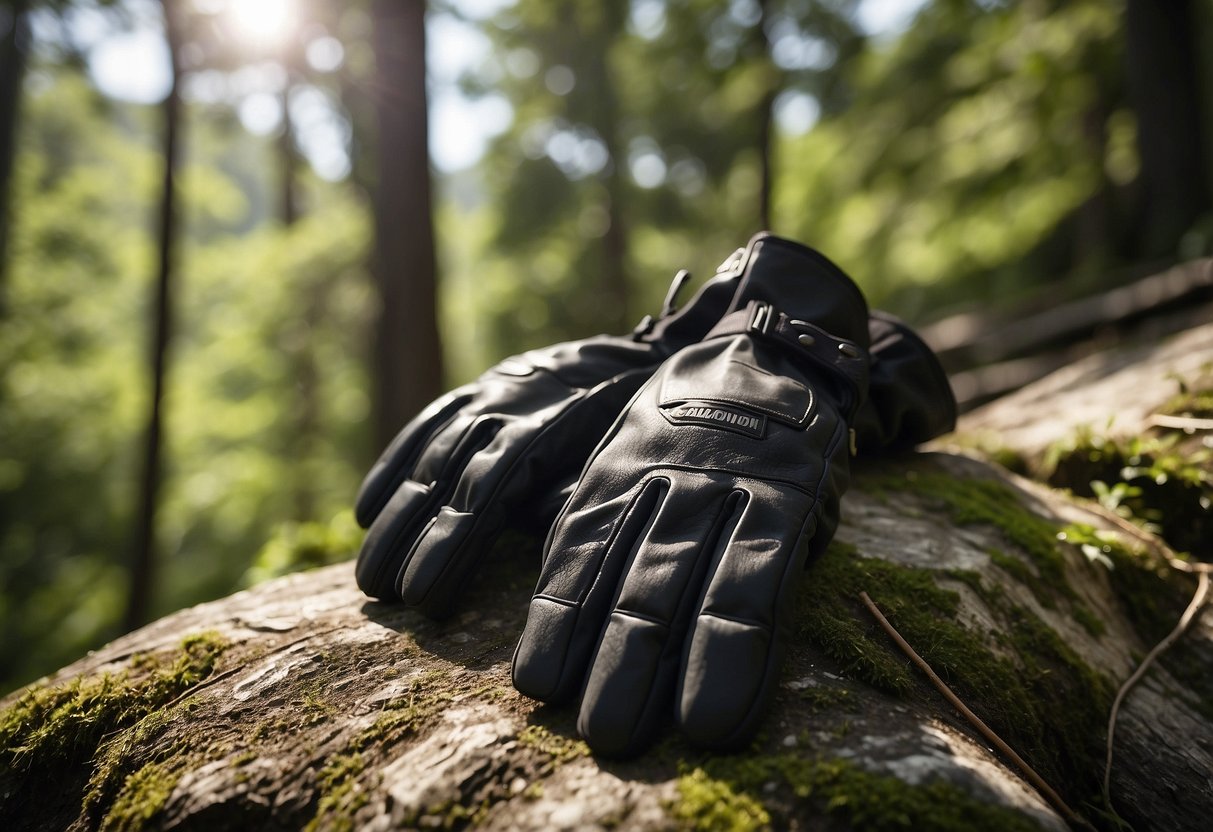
(301, 704)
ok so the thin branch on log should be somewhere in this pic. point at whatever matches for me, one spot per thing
(1046, 791)
(1185, 620)
(1187, 423)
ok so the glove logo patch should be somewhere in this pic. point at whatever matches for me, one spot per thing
(714, 415)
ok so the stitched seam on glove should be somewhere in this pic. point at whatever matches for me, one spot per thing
(384, 495)
(480, 517)
(719, 543)
(740, 475)
(774, 655)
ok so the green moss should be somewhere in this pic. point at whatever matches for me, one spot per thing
(1045, 701)
(143, 795)
(969, 501)
(1153, 596)
(58, 733)
(1148, 591)
(340, 794)
(243, 758)
(58, 722)
(126, 753)
(827, 607)
(1157, 479)
(269, 728)
(401, 719)
(1088, 620)
(820, 699)
(1012, 565)
(727, 793)
(559, 748)
(453, 814)
(971, 579)
(315, 703)
(709, 803)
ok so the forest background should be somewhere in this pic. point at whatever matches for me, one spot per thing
(259, 159)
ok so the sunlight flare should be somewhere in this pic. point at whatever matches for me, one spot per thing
(263, 21)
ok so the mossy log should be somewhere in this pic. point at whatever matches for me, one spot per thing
(301, 704)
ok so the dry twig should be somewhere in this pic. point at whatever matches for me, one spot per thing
(1046, 791)
(1185, 620)
(1186, 423)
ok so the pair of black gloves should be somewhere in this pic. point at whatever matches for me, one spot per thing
(692, 468)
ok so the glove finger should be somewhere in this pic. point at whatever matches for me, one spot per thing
(732, 654)
(380, 557)
(442, 459)
(583, 560)
(447, 551)
(397, 461)
(396, 527)
(631, 683)
(521, 472)
(452, 543)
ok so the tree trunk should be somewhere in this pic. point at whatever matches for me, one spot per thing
(143, 555)
(1164, 90)
(592, 34)
(765, 117)
(302, 703)
(308, 315)
(14, 42)
(408, 353)
(288, 157)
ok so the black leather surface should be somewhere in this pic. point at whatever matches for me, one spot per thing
(667, 572)
(667, 575)
(909, 398)
(506, 444)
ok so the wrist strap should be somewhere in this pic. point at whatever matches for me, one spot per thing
(844, 358)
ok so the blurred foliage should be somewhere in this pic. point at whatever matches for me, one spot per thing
(968, 144)
(985, 150)
(254, 306)
(944, 165)
(296, 546)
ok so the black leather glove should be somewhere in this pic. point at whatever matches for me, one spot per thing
(504, 445)
(909, 398)
(667, 575)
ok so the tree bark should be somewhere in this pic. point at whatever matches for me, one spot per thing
(1115, 393)
(323, 707)
(765, 117)
(14, 41)
(292, 60)
(312, 296)
(1164, 90)
(407, 363)
(143, 555)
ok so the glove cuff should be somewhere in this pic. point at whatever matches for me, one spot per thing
(802, 282)
(847, 361)
(909, 398)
